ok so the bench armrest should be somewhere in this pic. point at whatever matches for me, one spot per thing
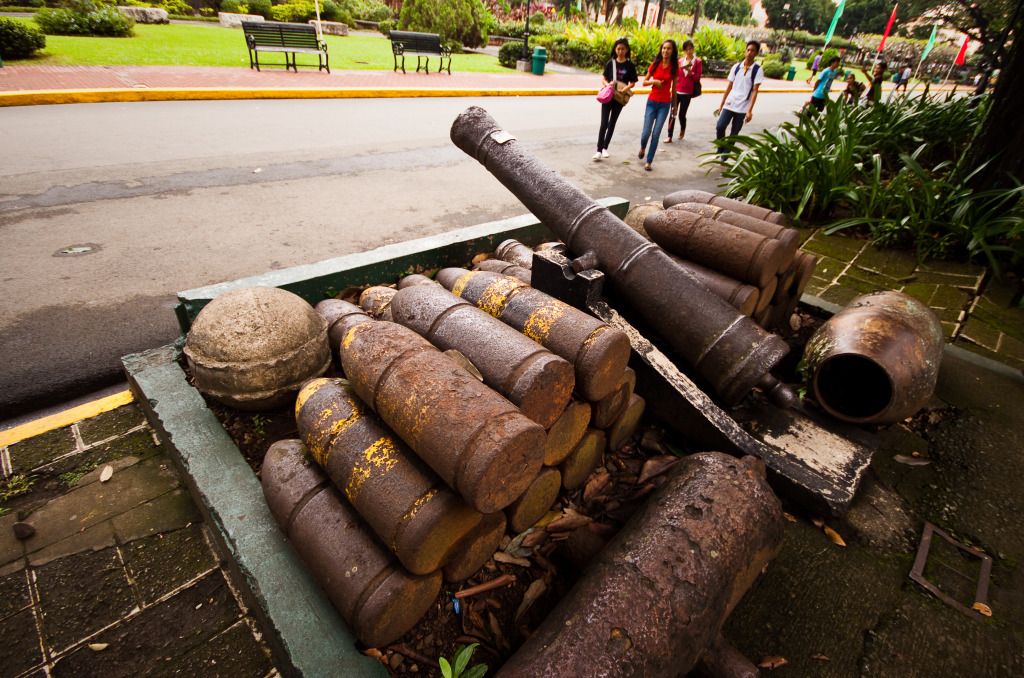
(397, 48)
(446, 51)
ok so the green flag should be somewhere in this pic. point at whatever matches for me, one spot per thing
(931, 43)
(835, 20)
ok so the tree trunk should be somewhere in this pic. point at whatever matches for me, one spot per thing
(1002, 135)
(698, 9)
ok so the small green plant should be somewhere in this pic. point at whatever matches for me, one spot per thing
(72, 477)
(712, 43)
(509, 53)
(19, 40)
(259, 424)
(83, 17)
(16, 486)
(775, 69)
(457, 667)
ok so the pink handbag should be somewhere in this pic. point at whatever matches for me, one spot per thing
(606, 94)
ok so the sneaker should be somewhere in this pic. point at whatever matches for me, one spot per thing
(640, 155)
(604, 153)
(597, 156)
(647, 167)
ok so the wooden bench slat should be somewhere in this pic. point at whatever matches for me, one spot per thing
(421, 44)
(274, 36)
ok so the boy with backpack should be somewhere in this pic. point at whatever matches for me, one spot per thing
(745, 79)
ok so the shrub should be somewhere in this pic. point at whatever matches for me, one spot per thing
(177, 7)
(386, 26)
(260, 7)
(509, 53)
(711, 43)
(105, 21)
(233, 7)
(467, 22)
(775, 69)
(297, 12)
(367, 10)
(537, 19)
(18, 40)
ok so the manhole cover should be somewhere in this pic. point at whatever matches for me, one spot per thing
(77, 250)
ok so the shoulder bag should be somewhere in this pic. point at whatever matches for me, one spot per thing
(621, 96)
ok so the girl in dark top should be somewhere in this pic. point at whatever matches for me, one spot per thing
(661, 78)
(623, 72)
(690, 70)
(874, 94)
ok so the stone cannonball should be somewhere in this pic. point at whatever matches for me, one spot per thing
(252, 348)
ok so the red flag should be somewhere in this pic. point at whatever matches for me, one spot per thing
(888, 27)
(961, 56)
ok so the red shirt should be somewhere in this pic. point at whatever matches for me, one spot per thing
(684, 81)
(661, 93)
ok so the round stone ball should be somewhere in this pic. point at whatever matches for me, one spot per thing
(252, 348)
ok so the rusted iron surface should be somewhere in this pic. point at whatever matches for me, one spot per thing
(723, 660)
(729, 351)
(554, 245)
(535, 502)
(377, 598)
(744, 298)
(536, 380)
(252, 348)
(984, 572)
(567, 431)
(877, 360)
(655, 598)
(637, 213)
(805, 263)
(505, 268)
(790, 237)
(477, 441)
(735, 252)
(730, 204)
(413, 512)
(583, 459)
(608, 409)
(766, 294)
(624, 427)
(376, 301)
(415, 279)
(515, 252)
(476, 548)
(598, 352)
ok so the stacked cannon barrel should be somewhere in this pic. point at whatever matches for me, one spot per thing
(744, 254)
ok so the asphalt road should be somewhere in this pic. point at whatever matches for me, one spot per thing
(107, 210)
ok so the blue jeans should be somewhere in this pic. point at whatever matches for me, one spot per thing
(654, 119)
(725, 118)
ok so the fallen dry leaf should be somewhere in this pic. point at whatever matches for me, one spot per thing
(503, 557)
(655, 466)
(911, 461)
(375, 653)
(534, 538)
(569, 520)
(533, 592)
(106, 473)
(772, 662)
(597, 482)
(483, 256)
(789, 516)
(462, 361)
(98, 647)
(834, 536)
(820, 657)
(982, 609)
(818, 522)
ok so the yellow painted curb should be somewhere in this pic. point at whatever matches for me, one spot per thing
(94, 96)
(65, 418)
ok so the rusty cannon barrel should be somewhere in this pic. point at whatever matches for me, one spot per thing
(726, 349)
(377, 598)
(598, 351)
(733, 251)
(505, 268)
(730, 204)
(415, 279)
(415, 515)
(877, 360)
(744, 298)
(536, 380)
(654, 599)
(515, 252)
(477, 441)
(790, 237)
(376, 301)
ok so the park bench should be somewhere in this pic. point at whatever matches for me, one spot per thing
(423, 45)
(273, 36)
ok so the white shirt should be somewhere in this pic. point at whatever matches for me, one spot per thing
(906, 73)
(739, 98)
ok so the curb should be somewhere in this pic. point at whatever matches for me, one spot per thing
(66, 418)
(95, 96)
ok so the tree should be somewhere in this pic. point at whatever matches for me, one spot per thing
(727, 11)
(465, 21)
(993, 23)
(865, 16)
(808, 15)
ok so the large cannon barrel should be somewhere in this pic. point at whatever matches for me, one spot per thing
(378, 599)
(728, 350)
(731, 204)
(415, 514)
(536, 380)
(476, 440)
(877, 360)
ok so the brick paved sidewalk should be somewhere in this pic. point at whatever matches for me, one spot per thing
(119, 578)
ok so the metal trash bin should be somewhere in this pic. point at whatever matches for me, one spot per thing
(791, 73)
(540, 57)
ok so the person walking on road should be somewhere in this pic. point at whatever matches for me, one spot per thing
(876, 77)
(904, 78)
(814, 65)
(661, 78)
(745, 78)
(823, 84)
(687, 88)
(621, 71)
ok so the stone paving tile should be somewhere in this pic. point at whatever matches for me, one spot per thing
(892, 263)
(161, 563)
(837, 294)
(81, 594)
(93, 538)
(110, 424)
(13, 593)
(34, 452)
(232, 653)
(836, 247)
(144, 644)
(1013, 349)
(170, 511)
(11, 548)
(19, 648)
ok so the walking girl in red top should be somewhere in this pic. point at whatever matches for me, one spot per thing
(687, 84)
(660, 78)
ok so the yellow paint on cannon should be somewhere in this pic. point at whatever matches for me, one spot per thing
(377, 460)
(419, 503)
(461, 283)
(497, 294)
(308, 389)
(539, 323)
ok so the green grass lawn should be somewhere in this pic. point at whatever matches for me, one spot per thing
(204, 44)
